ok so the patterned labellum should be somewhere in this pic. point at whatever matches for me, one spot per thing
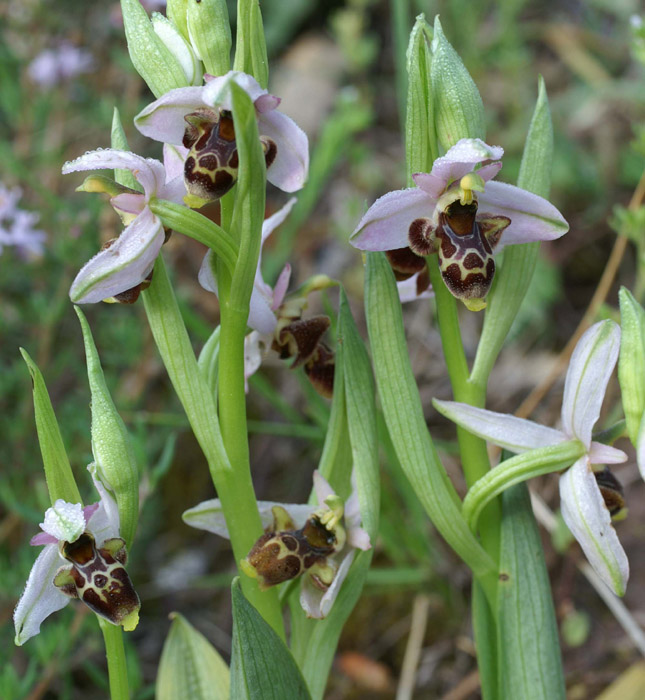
(98, 577)
(284, 554)
(465, 244)
(210, 169)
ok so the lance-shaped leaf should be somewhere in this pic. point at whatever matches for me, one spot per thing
(250, 44)
(190, 667)
(518, 263)
(458, 107)
(210, 34)
(58, 471)
(529, 649)
(154, 62)
(420, 141)
(404, 415)
(111, 444)
(262, 667)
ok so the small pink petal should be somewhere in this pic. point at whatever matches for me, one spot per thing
(42, 538)
(129, 203)
(266, 103)
(281, 286)
(488, 172)
(359, 539)
(430, 184)
(322, 488)
(89, 511)
(605, 454)
(408, 290)
(173, 161)
(270, 224)
(386, 223)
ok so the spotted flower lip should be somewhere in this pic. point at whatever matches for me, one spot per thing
(63, 522)
(130, 259)
(386, 224)
(163, 120)
(583, 507)
(315, 601)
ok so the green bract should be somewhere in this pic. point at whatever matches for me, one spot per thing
(210, 34)
(154, 62)
(111, 446)
(457, 104)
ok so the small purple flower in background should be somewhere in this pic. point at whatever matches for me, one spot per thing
(17, 225)
(200, 119)
(327, 537)
(457, 212)
(590, 495)
(126, 262)
(52, 66)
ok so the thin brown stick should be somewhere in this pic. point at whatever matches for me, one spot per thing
(407, 682)
(609, 274)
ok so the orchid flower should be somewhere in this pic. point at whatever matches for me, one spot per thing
(458, 212)
(199, 118)
(127, 261)
(88, 539)
(582, 486)
(318, 542)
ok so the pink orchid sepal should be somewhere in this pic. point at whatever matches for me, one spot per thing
(581, 487)
(163, 120)
(130, 258)
(318, 592)
(460, 213)
(65, 523)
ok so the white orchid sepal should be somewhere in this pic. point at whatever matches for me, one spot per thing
(590, 369)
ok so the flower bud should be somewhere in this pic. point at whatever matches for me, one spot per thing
(113, 454)
(154, 62)
(177, 13)
(210, 34)
(457, 104)
(179, 48)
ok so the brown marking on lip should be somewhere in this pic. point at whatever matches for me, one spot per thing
(473, 261)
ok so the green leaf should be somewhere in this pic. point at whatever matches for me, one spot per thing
(58, 471)
(631, 365)
(120, 141)
(262, 667)
(404, 415)
(528, 646)
(514, 275)
(420, 140)
(250, 44)
(190, 667)
(113, 453)
(457, 104)
(152, 60)
(210, 34)
(353, 415)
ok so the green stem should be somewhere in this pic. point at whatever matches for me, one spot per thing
(474, 455)
(232, 479)
(115, 653)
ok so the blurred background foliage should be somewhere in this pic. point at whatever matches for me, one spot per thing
(340, 69)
